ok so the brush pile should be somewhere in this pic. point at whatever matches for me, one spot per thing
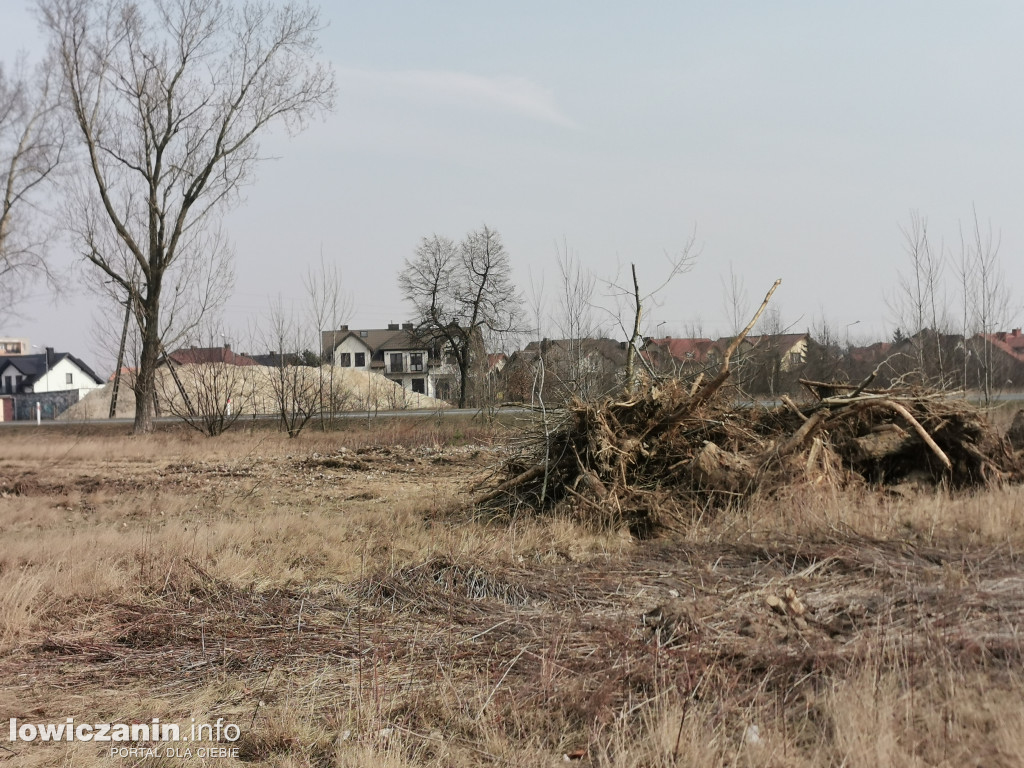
(672, 449)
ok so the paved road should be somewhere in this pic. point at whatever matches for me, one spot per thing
(1002, 397)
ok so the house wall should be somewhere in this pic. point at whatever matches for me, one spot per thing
(16, 377)
(406, 353)
(9, 346)
(351, 345)
(800, 348)
(6, 409)
(56, 380)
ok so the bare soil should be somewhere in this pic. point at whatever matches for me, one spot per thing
(337, 599)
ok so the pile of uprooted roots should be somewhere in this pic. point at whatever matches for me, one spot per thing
(675, 447)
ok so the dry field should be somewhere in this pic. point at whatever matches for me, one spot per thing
(331, 597)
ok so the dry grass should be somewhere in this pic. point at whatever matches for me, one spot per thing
(328, 595)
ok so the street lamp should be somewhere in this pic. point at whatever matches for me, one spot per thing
(657, 330)
(848, 325)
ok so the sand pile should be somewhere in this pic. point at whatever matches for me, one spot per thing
(253, 390)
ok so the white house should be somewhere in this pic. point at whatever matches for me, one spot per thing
(47, 373)
(397, 353)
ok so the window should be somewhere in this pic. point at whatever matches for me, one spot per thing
(69, 378)
(416, 362)
(795, 358)
(364, 334)
(360, 359)
(396, 362)
(419, 386)
(9, 385)
(345, 359)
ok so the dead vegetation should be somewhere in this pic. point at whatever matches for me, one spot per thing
(673, 451)
(328, 595)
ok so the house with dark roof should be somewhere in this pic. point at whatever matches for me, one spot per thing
(55, 380)
(396, 352)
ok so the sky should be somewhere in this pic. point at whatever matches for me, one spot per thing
(792, 140)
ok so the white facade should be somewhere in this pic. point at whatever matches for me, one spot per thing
(63, 376)
(409, 367)
(352, 347)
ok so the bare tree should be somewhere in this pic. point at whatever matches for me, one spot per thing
(735, 301)
(31, 149)
(329, 307)
(296, 389)
(986, 300)
(168, 101)
(575, 324)
(918, 305)
(631, 302)
(208, 394)
(462, 294)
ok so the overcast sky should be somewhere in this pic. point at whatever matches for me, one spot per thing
(794, 138)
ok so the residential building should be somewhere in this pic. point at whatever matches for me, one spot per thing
(14, 346)
(199, 355)
(557, 369)
(398, 353)
(55, 380)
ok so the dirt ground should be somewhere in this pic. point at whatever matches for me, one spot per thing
(334, 598)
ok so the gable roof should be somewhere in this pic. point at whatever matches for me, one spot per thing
(778, 341)
(33, 367)
(376, 339)
(683, 350)
(611, 350)
(193, 355)
(1010, 343)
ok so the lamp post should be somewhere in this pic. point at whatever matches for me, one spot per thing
(46, 376)
(848, 326)
(657, 330)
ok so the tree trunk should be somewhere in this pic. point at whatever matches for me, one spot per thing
(463, 379)
(145, 382)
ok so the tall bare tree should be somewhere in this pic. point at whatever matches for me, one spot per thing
(463, 296)
(630, 302)
(919, 302)
(329, 307)
(735, 301)
(574, 320)
(168, 99)
(987, 303)
(31, 149)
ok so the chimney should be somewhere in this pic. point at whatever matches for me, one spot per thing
(227, 346)
(342, 327)
(49, 357)
(407, 326)
(1015, 332)
(392, 326)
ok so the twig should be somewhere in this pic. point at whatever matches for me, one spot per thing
(496, 687)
